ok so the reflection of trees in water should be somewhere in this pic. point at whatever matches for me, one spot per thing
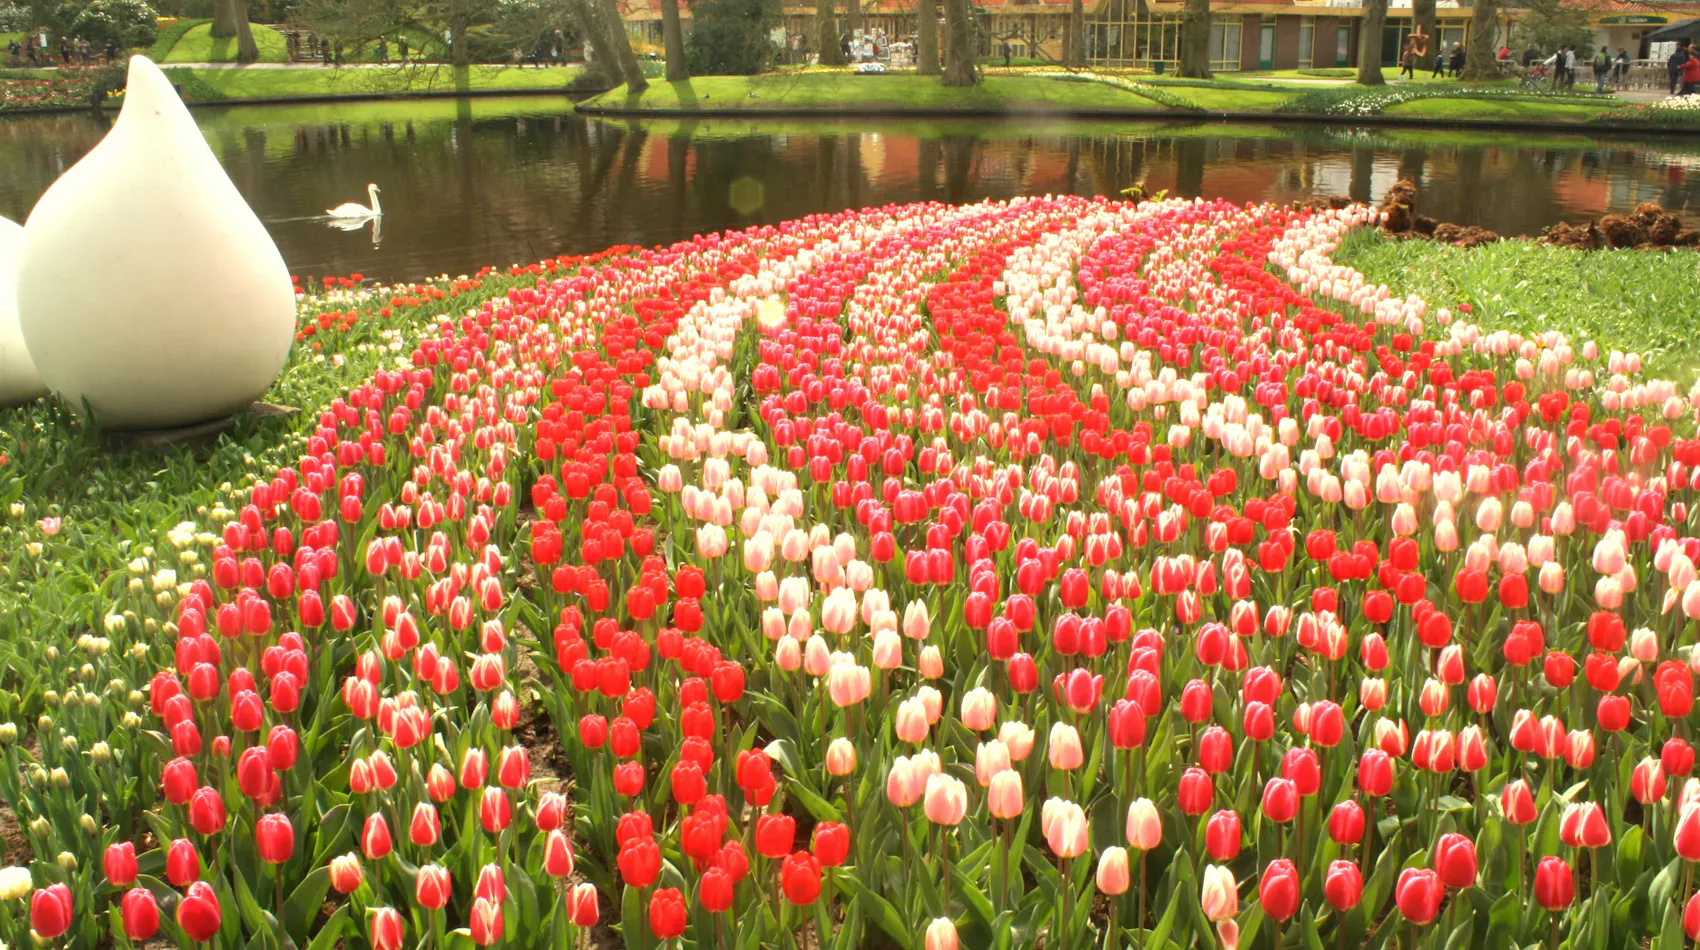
(464, 188)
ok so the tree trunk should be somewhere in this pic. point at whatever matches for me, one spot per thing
(1195, 40)
(673, 37)
(826, 26)
(601, 60)
(959, 67)
(247, 51)
(1369, 44)
(1422, 15)
(622, 51)
(852, 16)
(224, 18)
(1479, 55)
(927, 37)
(459, 56)
(1077, 34)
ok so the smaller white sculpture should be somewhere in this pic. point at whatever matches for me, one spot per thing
(19, 382)
(147, 288)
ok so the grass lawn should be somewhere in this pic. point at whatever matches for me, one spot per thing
(199, 46)
(1232, 100)
(848, 92)
(1489, 109)
(399, 80)
(1624, 299)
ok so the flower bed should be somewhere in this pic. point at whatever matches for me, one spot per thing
(762, 590)
(1373, 100)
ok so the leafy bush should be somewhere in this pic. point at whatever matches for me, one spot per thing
(130, 22)
(168, 37)
(731, 37)
(14, 18)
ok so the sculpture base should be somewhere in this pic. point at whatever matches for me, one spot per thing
(198, 433)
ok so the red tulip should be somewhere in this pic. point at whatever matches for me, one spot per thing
(432, 887)
(140, 914)
(1215, 750)
(386, 929)
(1375, 773)
(119, 863)
(198, 913)
(640, 862)
(1344, 885)
(182, 863)
(1278, 892)
(1196, 792)
(716, 890)
(1327, 724)
(1280, 800)
(557, 855)
(1346, 823)
(775, 835)
(180, 781)
(667, 913)
(51, 912)
(274, 837)
(1455, 860)
(1418, 894)
(485, 922)
(799, 878)
(1555, 885)
(1222, 835)
(582, 905)
(831, 843)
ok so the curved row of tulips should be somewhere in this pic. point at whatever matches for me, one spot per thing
(1043, 573)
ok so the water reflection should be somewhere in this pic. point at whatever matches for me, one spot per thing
(496, 181)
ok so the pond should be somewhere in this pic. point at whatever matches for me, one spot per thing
(497, 181)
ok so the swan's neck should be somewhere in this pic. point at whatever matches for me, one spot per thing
(372, 192)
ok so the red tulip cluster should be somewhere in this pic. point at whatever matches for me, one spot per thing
(920, 568)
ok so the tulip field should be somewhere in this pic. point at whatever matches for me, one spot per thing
(1058, 572)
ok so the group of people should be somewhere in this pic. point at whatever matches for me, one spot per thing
(1684, 66)
(308, 47)
(1416, 51)
(73, 51)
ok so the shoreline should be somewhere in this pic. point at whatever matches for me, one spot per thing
(113, 106)
(1028, 111)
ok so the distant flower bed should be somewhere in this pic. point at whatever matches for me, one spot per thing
(1137, 88)
(1374, 100)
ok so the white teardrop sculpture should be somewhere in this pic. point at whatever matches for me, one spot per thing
(146, 285)
(19, 382)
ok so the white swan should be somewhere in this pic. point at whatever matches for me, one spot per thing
(351, 210)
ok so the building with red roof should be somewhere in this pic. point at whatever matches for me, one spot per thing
(1246, 35)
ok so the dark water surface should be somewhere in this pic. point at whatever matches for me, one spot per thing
(498, 181)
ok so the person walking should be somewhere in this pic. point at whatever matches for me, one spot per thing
(1674, 63)
(14, 53)
(1602, 68)
(1620, 68)
(383, 49)
(111, 51)
(1457, 60)
(1439, 64)
(1570, 67)
(401, 47)
(1691, 74)
(1408, 63)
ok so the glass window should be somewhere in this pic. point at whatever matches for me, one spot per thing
(1307, 40)
(1343, 46)
(1225, 46)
